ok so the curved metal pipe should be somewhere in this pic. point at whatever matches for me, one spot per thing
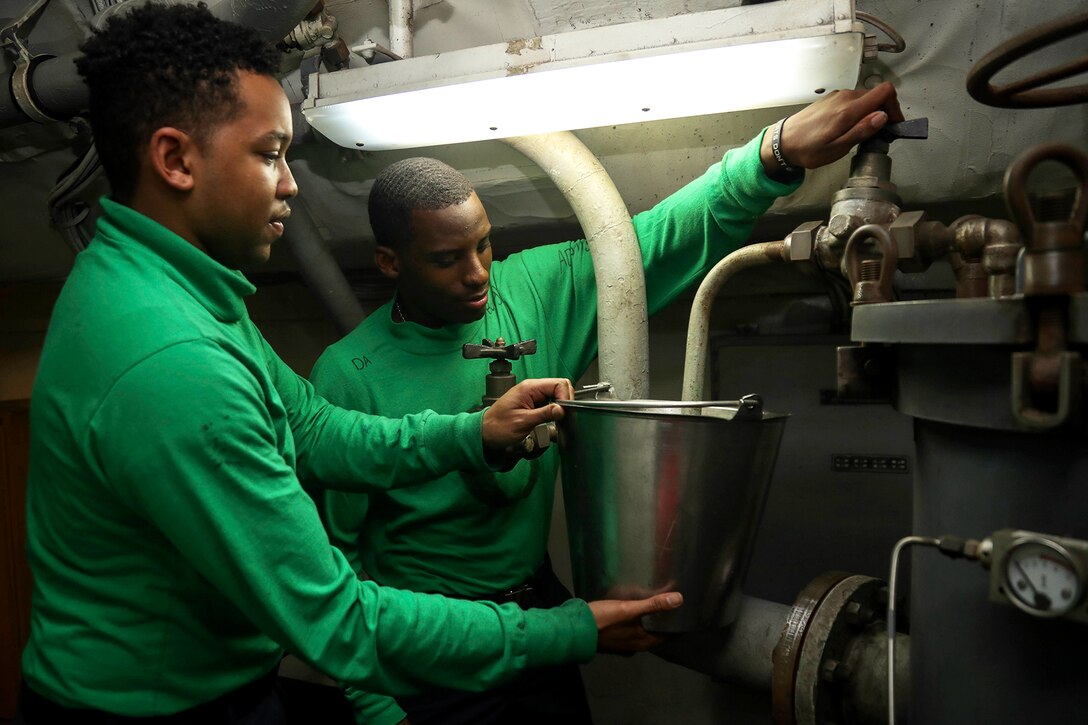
(272, 19)
(59, 92)
(622, 331)
(699, 323)
(320, 270)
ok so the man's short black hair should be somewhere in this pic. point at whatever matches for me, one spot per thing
(409, 184)
(164, 65)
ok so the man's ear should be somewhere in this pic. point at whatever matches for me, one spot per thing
(387, 261)
(170, 154)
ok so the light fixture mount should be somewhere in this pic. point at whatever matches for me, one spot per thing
(777, 53)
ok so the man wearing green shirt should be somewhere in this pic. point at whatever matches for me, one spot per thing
(460, 535)
(175, 555)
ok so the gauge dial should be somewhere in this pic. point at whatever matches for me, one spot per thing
(1041, 578)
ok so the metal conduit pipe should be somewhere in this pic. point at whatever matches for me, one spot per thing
(57, 88)
(699, 322)
(741, 653)
(320, 270)
(52, 89)
(272, 19)
(823, 659)
(622, 331)
(49, 89)
(400, 27)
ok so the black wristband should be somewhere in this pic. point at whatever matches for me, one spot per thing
(776, 149)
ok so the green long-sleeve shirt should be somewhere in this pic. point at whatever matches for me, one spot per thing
(175, 555)
(459, 534)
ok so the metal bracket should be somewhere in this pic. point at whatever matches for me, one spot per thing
(596, 391)
(1067, 401)
(373, 53)
(11, 41)
(21, 93)
(865, 373)
(9, 34)
(749, 407)
(871, 280)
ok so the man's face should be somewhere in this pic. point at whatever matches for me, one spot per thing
(242, 182)
(443, 273)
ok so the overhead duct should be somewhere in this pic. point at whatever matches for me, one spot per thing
(43, 88)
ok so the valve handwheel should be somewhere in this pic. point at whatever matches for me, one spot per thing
(1029, 92)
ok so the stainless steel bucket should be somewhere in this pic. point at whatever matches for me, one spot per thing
(666, 496)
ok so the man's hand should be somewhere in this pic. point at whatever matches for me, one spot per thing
(619, 626)
(513, 416)
(826, 130)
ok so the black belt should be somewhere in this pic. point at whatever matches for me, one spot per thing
(519, 595)
(35, 709)
(525, 594)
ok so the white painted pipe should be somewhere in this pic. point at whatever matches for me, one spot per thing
(622, 331)
(400, 27)
(699, 323)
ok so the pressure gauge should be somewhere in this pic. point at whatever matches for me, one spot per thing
(1041, 578)
(1043, 575)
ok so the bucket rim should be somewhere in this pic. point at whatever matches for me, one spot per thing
(654, 407)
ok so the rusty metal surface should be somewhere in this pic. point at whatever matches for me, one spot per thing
(1046, 383)
(1028, 92)
(1054, 255)
(849, 608)
(787, 652)
(864, 373)
(871, 284)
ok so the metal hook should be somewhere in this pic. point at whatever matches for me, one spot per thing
(870, 288)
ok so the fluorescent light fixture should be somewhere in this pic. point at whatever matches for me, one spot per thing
(771, 54)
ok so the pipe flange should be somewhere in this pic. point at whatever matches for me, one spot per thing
(849, 608)
(22, 93)
(787, 653)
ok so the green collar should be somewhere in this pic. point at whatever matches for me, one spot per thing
(418, 339)
(217, 288)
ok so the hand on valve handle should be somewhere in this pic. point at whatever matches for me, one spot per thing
(826, 130)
